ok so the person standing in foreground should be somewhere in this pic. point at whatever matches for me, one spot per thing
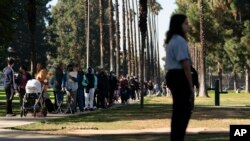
(9, 86)
(178, 77)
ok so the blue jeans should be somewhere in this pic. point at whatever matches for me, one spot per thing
(59, 96)
(79, 99)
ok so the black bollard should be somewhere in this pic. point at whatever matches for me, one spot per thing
(217, 93)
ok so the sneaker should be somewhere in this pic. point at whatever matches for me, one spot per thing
(10, 115)
(68, 112)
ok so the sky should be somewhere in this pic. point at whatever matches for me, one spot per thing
(163, 19)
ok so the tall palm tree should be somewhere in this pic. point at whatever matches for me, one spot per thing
(156, 9)
(117, 40)
(125, 71)
(101, 33)
(143, 28)
(111, 35)
(202, 89)
(31, 10)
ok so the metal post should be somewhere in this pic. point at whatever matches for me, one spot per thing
(217, 93)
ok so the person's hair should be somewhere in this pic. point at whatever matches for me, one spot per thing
(23, 67)
(10, 61)
(175, 26)
(89, 70)
(70, 67)
(39, 66)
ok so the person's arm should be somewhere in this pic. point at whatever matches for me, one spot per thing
(96, 81)
(84, 82)
(187, 69)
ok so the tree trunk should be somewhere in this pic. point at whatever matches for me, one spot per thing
(132, 39)
(148, 62)
(158, 53)
(125, 71)
(135, 40)
(220, 76)
(155, 48)
(235, 82)
(101, 33)
(202, 90)
(87, 31)
(150, 46)
(32, 29)
(117, 39)
(128, 39)
(111, 35)
(143, 27)
(139, 38)
(247, 80)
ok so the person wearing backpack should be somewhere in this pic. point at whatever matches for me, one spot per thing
(89, 82)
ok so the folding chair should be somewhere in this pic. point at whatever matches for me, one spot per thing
(70, 101)
(59, 104)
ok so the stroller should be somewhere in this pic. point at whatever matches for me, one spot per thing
(33, 100)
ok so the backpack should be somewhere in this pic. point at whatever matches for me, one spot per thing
(90, 78)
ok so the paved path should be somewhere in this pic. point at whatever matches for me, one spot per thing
(6, 134)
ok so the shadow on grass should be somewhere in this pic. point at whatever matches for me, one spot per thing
(155, 111)
(162, 137)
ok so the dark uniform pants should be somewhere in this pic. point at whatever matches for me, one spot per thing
(182, 103)
(9, 97)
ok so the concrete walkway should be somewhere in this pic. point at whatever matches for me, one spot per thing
(144, 131)
(6, 134)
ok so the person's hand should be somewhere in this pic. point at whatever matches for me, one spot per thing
(63, 89)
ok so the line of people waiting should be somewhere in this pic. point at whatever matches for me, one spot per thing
(84, 91)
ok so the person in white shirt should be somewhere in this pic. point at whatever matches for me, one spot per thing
(72, 85)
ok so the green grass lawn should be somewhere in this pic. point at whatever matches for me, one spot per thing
(234, 109)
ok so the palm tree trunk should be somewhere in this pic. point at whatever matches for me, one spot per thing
(155, 48)
(143, 27)
(128, 39)
(111, 35)
(148, 60)
(32, 29)
(132, 39)
(220, 76)
(138, 37)
(117, 40)
(235, 82)
(202, 90)
(101, 33)
(135, 40)
(87, 31)
(125, 70)
(151, 46)
(158, 51)
(247, 80)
